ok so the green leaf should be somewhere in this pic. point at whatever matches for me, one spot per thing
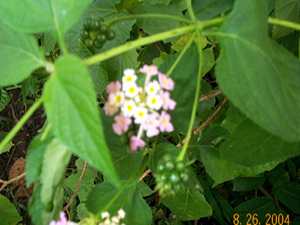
(259, 76)
(106, 197)
(206, 9)
(71, 107)
(248, 184)
(261, 206)
(8, 212)
(288, 10)
(247, 139)
(117, 65)
(184, 76)
(188, 204)
(55, 160)
(289, 195)
(34, 159)
(153, 25)
(17, 51)
(34, 16)
(221, 170)
(42, 214)
(128, 165)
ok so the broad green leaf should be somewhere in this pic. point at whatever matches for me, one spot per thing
(117, 65)
(247, 139)
(34, 159)
(42, 214)
(206, 9)
(127, 164)
(288, 10)
(71, 107)
(8, 212)
(248, 184)
(33, 16)
(221, 170)
(261, 206)
(105, 197)
(184, 76)
(188, 204)
(289, 195)
(55, 160)
(153, 25)
(259, 76)
(17, 51)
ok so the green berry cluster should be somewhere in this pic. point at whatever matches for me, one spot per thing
(171, 175)
(95, 33)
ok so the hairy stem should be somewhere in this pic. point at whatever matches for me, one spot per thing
(195, 104)
(147, 15)
(149, 40)
(12, 133)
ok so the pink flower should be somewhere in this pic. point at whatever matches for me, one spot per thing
(110, 109)
(165, 82)
(149, 70)
(63, 220)
(164, 122)
(113, 87)
(151, 125)
(121, 124)
(168, 103)
(136, 143)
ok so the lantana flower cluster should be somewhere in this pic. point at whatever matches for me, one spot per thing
(62, 220)
(144, 104)
(106, 219)
(114, 220)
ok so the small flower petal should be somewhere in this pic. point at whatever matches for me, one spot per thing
(154, 102)
(136, 143)
(165, 82)
(152, 88)
(113, 87)
(165, 124)
(128, 108)
(149, 70)
(121, 124)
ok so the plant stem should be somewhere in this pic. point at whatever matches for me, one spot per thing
(190, 10)
(12, 133)
(150, 39)
(284, 23)
(181, 54)
(147, 15)
(195, 104)
(138, 43)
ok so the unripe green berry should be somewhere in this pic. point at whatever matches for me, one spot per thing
(110, 35)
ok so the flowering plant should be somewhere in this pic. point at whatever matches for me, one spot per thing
(146, 106)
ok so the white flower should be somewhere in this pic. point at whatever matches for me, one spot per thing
(117, 99)
(140, 114)
(128, 108)
(154, 102)
(131, 90)
(129, 76)
(152, 88)
(121, 213)
(105, 215)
